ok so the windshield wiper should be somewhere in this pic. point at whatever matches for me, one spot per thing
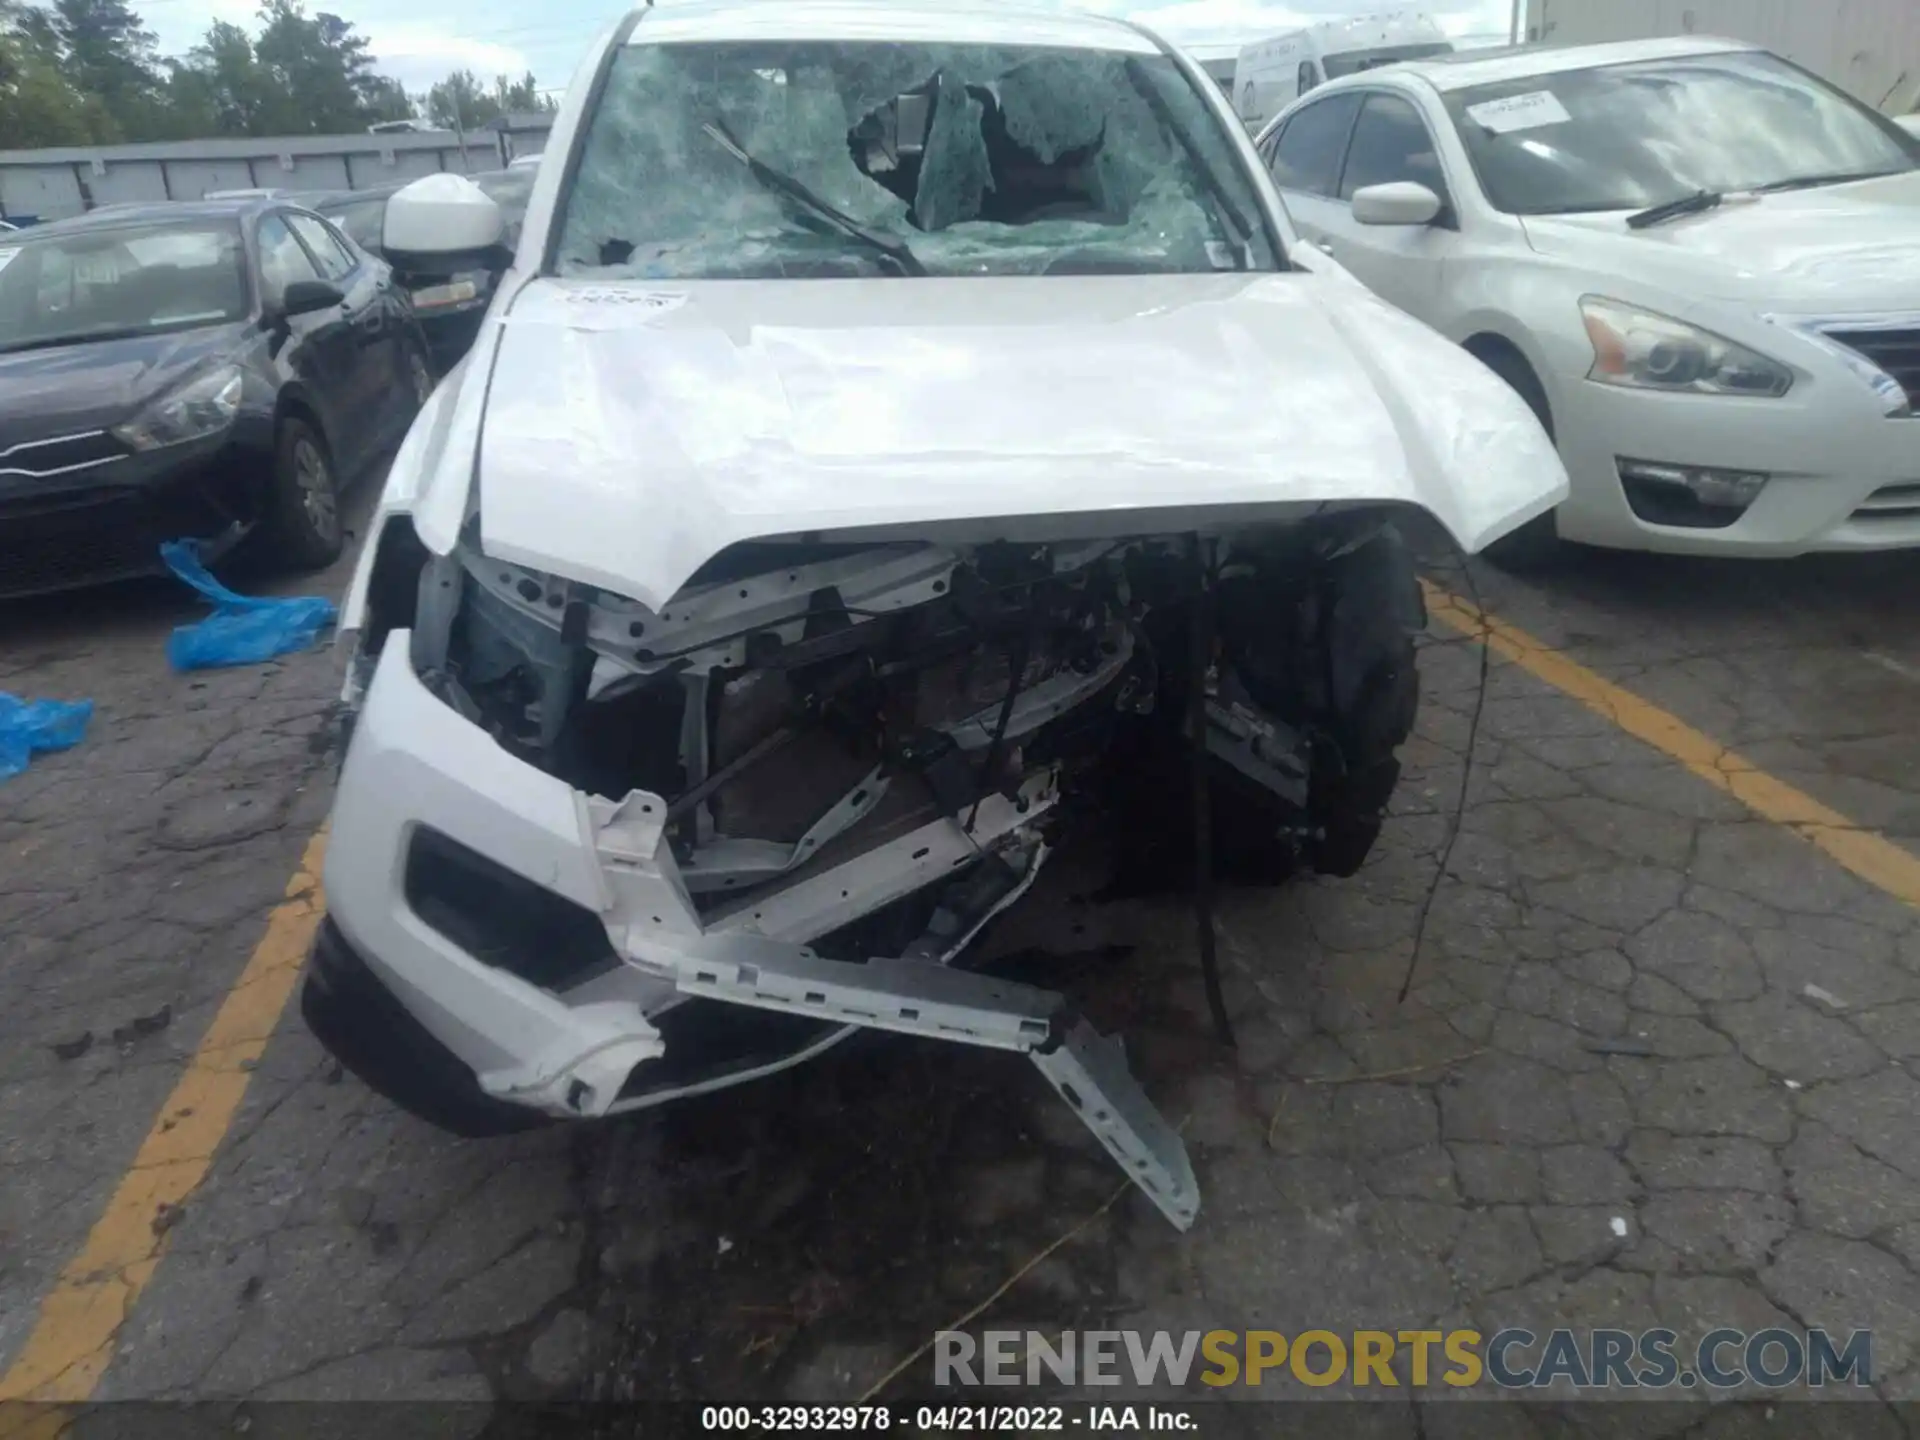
(1673, 209)
(785, 185)
(1808, 182)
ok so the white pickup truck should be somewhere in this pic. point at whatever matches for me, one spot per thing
(906, 439)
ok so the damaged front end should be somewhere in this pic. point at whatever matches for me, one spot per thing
(607, 855)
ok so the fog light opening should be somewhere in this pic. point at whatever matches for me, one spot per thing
(1688, 496)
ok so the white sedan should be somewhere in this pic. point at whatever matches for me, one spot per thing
(1698, 263)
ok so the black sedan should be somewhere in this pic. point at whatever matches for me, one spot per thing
(450, 307)
(215, 370)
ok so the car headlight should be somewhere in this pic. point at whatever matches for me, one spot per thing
(204, 406)
(1642, 350)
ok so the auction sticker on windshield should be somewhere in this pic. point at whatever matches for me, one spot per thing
(1519, 112)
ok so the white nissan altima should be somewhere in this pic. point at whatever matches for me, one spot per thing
(1697, 262)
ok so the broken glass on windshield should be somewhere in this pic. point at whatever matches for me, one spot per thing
(976, 159)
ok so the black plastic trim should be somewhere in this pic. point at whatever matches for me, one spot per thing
(366, 1028)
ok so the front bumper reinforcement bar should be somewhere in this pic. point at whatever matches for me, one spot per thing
(914, 997)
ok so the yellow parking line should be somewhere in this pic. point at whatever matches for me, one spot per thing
(1872, 857)
(73, 1337)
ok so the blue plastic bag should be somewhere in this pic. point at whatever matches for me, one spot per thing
(243, 629)
(27, 726)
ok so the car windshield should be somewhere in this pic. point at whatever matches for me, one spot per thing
(124, 281)
(820, 159)
(1628, 137)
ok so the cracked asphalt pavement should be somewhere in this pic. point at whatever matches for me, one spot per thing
(1655, 1068)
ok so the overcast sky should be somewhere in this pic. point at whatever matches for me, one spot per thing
(419, 41)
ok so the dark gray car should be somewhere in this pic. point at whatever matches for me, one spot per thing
(203, 370)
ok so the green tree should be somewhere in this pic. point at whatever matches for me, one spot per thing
(386, 98)
(459, 103)
(221, 89)
(311, 87)
(522, 97)
(107, 53)
(86, 72)
(321, 72)
(39, 103)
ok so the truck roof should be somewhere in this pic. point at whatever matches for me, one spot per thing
(888, 21)
(1464, 69)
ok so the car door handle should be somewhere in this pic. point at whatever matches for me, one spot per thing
(373, 322)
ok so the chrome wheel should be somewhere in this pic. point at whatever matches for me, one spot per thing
(421, 377)
(317, 499)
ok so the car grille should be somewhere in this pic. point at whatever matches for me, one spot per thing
(61, 455)
(30, 564)
(1895, 351)
(94, 535)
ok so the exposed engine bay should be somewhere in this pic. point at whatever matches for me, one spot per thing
(816, 774)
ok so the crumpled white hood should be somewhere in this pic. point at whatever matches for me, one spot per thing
(633, 431)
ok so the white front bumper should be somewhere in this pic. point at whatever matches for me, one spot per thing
(414, 762)
(1827, 449)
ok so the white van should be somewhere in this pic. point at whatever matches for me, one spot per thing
(1219, 59)
(1271, 74)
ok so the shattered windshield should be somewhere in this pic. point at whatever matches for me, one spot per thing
(796, 159)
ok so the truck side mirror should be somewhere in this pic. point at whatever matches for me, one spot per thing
(443, 224)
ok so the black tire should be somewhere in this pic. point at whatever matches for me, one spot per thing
(1326, 645)
(1536, 544)
(305, 531)
(1373, 611)
(1344, 673)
